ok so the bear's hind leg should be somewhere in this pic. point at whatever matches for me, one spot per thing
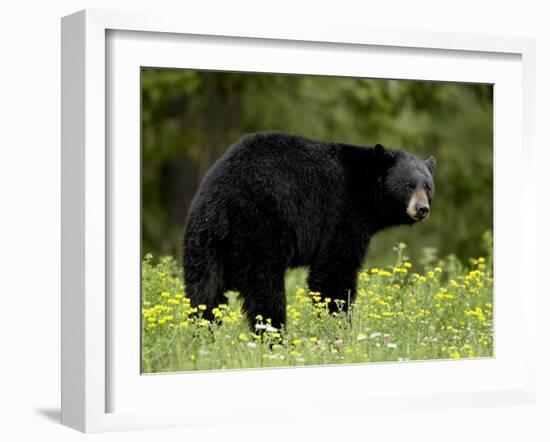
(204, 278)
(202, 291)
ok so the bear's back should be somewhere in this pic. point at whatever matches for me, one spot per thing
(279, 152)
(275, 162)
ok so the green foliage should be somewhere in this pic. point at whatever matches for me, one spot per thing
(189, 118)
(443, 312)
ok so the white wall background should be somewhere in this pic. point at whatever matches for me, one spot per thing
(30, 214)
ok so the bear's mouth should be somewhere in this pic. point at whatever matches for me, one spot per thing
(420, 217)
(413, 214)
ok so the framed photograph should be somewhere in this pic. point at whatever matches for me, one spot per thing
(251, 215)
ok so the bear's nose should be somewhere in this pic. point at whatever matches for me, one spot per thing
(422, 210)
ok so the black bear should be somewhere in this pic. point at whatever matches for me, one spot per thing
(275, 201)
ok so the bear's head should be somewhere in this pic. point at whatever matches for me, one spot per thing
(407, 185)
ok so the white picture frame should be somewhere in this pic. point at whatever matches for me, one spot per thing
(88, 232)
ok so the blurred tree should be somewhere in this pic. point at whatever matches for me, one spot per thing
(189, 119)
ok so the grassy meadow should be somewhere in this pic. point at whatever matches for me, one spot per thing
(430, 309)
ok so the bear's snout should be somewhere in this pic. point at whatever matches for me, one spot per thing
(422, 210)
(418, 207)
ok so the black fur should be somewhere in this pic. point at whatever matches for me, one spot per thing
(275, 201)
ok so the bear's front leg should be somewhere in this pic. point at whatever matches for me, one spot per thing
(337, 284)
(335, 277)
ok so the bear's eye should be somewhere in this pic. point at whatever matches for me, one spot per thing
(410, 186)
(428, 187)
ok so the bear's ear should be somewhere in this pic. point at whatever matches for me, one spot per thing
(430, 164)
(383, 157)
(379, 151)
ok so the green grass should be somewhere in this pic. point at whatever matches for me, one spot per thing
(433, 309)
